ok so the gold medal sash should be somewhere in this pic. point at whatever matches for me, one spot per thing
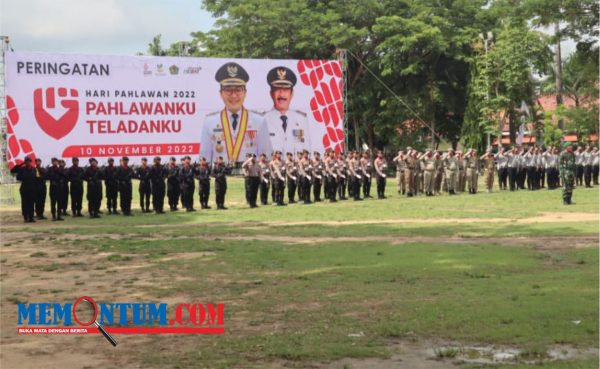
(234, 148)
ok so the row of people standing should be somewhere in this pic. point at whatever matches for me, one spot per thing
(312, 179)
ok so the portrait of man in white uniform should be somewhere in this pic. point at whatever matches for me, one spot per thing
(288, 128)
(234, 131)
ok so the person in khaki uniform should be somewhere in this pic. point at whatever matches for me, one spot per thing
(331, 172)
(318, 169)
(354, 175)
(254, 172)
(450, 163)
(291, 171)
(429, 164)
(400, 166)
(490, 167)
(439, 173)
(367, 170)
(461, 174)
(472, 164)
(265, 179)
(380, 166)
(277, 169)
(417, 173)
(305, 171)
(341, 172)
(409, 178)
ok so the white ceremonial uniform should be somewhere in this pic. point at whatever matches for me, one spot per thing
(296, 136)
(255, 136)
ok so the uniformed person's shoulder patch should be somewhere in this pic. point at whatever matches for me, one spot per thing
(213, 113)
(300, 112)
(257, 112)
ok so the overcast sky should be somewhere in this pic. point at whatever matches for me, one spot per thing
(105, 26)
(99, 26)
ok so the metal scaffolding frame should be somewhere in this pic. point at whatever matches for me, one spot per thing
(7, 181)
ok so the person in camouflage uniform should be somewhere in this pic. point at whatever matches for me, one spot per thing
(567, 172)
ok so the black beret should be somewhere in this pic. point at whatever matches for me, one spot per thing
(172, 158)
(92, 159)
(125, 158)
(27, 159)
(281, 77)
(157, 158)
(75, 158)
(232, 75)
(110, 160)
(144, 159)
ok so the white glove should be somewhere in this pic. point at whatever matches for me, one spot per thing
(358, 176)
(309, 177)
(294, 178)
(368, 175)
(265, 180)
(384, 176)
(319, 177)
(343, 176)
(334, 176)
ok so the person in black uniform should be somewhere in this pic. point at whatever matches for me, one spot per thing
(157, 179)
(187, 184)
(124, 176)
(145, 189)
(40, 189)
(203, 175)
(55, 174)
(63, 201)
(26, 174)
(317, 176)
(74, 175)
(173, 187)
(93, 176)
(112, 186)
(220, 172)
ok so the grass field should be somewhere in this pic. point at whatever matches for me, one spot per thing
(502, 280)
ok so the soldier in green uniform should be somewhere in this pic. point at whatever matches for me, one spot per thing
(567, 172)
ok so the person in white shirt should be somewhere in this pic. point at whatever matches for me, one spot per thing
(234, 131)
(587, 162)
(288, 128)
(579, 166)
(502, 166)
(595, 160)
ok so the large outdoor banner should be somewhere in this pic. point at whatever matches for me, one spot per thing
(64, 105)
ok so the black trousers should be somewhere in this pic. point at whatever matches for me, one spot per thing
(332, 188)
(204, 191)
(220, 191)
(531, 178)
(317, 184)
(27, 201)
(264, 191)
(145, 190)
(247, 188)
(305, 185)
(56, 194)
(587, 175)
(291, 186)
(595, 170)
(112, 192)
(341, 187)
(125, 192)
(381, 187)
(173, 193)
(366, 186)
(579, 175)
(40, 199)
(512, 178)
(76, 197)
(158, 196)
(63, 201)
(252, 194)
(278, 190)
(187, 196)
(502, 178)
(94, 197)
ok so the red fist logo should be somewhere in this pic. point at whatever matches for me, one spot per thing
(45, 109)
(17, 149)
